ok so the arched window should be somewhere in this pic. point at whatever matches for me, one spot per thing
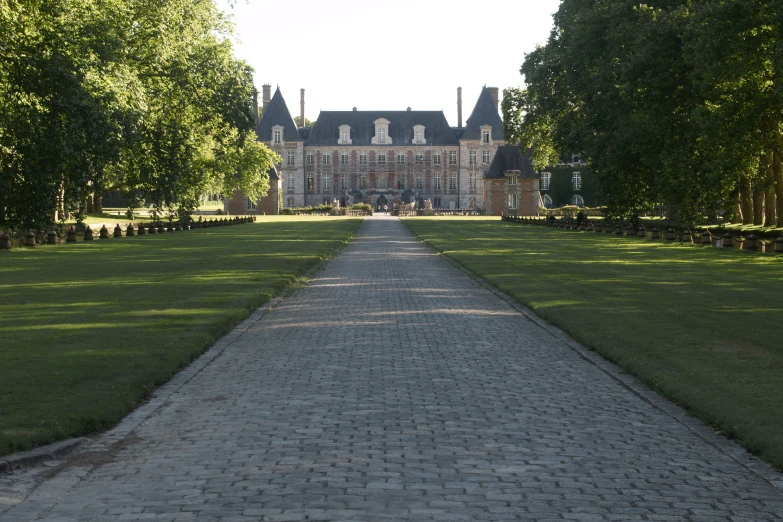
(576, 181)
(547, 199)
(578, 201)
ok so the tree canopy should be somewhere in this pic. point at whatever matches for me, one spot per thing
(673, 103)
(145, 97)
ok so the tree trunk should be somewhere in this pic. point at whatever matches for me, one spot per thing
(777, 167)
(759, 192)
(97, 202)
(769, 193)
(88, 206)
(746, 202)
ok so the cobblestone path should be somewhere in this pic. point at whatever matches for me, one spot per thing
(394, 387)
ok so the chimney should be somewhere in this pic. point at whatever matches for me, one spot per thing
(302, 121)
(459, 106)
(267, 96)
(255, 105)
(409, 109)
(354, 109)
(493, 93)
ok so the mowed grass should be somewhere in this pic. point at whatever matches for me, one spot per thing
(700, 325)
(89, 330)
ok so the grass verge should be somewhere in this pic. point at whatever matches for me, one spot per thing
(698, 324)
(89, 330)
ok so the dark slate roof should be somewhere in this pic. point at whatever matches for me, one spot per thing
(304, 132)
(273, 175)
(326, 130)
(484, 113)
(458, 131)
(510, 157)
(277, 113)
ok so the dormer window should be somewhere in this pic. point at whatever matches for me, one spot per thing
(418, 135)
(277, 135)
(486, 135)
(345, 135)
(381, 132)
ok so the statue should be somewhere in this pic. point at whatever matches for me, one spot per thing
(336, 203)
(427, 204)
(472, 204)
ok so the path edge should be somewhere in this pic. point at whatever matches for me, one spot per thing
(731, 449)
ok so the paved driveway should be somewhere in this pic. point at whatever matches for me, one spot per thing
(394, 387)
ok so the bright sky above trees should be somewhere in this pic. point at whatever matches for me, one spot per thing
(388, 55)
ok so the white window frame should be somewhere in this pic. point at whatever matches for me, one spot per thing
(452, 157)
(277, 135)
(418, 135)
(546, 179)
(326, 158)
(343, 181)
(472, 157)
(310, 187)
(513, 201)
(419, 182)
(486, 136)
(578, 200)
(345, 135)
(436, 158)
(290, 181)
(364, 180)
(400, 158)
(546, 199)
(485, 157)
(326, 180)
(472, 180)
(344, 157)
(362, 158)
(310, 158)
(382, 135)
(250, 204)
(513, 180)
(436, 181)
(452, 181)
(381, 158)
(436, 202)
(291, 158)
(576, 181)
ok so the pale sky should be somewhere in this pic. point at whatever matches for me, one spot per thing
(390, 56)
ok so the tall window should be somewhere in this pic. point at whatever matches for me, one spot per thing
(512, 180)
(383, 181)
(381, 158)
(344, 158)
(326, 158)
(419, 180)
(419, 158)
(400, 158)
(290, 181)
(291, 158)
(472, 181)
(327, 182)
(485, 157)
(251, 205)
(290, 202)
(343, 181)
(436, 202)
(436, 158)
(545, 177)
(401, 182)
(453, 181)
(345, 135)
(310, 182)
(436, 181)
(277, 136)
(362, 158)
(310, 158)
(472, 157)
(486, 135)
(363, 180)
(512, 201)
(419, 136)
(578, 201)
(576, 181)
(381, 135)
(452, 157)
(547, 200)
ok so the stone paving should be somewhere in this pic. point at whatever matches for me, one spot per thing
(395, 387)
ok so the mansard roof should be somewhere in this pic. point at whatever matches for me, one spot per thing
(326, 130)
(510, 157)
(484, 113)
(277, 113)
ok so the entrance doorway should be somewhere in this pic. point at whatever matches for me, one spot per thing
(380, 202)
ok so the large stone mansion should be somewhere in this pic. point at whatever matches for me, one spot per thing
(356, 156)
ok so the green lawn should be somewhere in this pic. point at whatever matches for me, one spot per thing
(700, 325)
(89, 330)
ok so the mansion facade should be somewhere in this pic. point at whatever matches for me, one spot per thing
(372, 156)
